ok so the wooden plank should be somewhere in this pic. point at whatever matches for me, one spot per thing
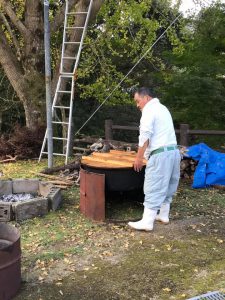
(116, 157)
(112, 159)
(123, 152)
(120, 127)
(207, 132)
(113, 156)
(106, 160)
(102, 165)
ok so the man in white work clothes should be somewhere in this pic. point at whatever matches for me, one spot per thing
(158, 144)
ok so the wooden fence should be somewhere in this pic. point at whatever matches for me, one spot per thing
(184, 132)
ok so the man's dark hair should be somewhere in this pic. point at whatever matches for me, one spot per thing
(144, 91)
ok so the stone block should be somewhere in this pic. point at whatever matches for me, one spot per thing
(25, 186)
(5, 212)
(6, 187)
(30, 209)
(55, 198)
(44, 188)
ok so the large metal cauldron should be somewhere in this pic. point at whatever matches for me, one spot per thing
(10, 261)
(102, 172)
(117, 166)
(121, 179)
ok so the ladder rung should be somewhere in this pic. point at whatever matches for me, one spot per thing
(75, 27)
(77, 13)
(59, 154)
(69, 57)
(66, 75)
(64, 92)
(60, 139)
(72, 43)
(56, 122)
(66, 107)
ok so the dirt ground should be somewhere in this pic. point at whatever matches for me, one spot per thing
(66, 256)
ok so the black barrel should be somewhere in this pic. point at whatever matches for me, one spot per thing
(119, 179)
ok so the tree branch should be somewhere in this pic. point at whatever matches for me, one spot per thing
(12, 68)
(7, 7)
(59, 18)
(14, 39)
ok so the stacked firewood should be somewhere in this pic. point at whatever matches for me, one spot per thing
(65, 179)
(187, 168)
(101, 145)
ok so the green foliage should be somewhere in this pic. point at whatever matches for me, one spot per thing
(195, 88)
(10, 107)
(121, 35)
(186, 67)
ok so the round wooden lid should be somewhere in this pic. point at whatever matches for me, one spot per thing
(114, 159)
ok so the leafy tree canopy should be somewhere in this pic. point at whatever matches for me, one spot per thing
(195, 87)
(124, 31)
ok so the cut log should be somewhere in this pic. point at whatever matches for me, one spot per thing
(63, 187)
(58, 182)
(72, 166)
(52, 177)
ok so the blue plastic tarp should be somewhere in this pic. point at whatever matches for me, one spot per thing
(211, 166)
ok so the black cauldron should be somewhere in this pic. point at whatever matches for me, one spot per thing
(119, 179)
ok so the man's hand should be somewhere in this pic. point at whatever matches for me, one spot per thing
(138, 164)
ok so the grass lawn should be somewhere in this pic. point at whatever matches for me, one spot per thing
(65, 256)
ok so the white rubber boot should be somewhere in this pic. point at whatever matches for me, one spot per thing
(163, 215)
(147, 221)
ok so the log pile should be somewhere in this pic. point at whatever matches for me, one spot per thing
(187, 168)
(101, 145)
(62, 181)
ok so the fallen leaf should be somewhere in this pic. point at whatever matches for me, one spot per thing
(219, 241)
(58, 283)
(196, 270)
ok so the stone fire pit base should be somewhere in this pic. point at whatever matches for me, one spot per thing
(47, 197)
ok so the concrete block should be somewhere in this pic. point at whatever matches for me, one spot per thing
(6, 187)
(30, 209)
(44, 188)
(55, 198)
(5, 212)
(25, 186)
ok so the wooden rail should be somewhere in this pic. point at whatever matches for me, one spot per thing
(183, 132)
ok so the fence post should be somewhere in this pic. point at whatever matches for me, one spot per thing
(108, 130)
(184, 134)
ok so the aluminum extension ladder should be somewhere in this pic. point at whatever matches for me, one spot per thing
(67, 79)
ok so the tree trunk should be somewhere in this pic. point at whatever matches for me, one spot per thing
(34, 43)
(26, 73)
(1, 114)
